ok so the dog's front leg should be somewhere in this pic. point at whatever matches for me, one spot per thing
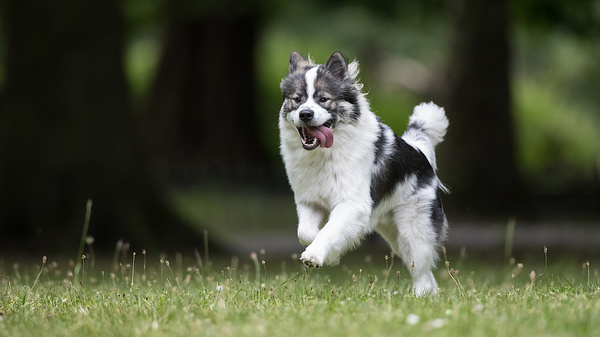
(347, 225)
(310, 219)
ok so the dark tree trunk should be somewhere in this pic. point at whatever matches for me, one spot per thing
(478, 162)
(201, 121)
(67, 133)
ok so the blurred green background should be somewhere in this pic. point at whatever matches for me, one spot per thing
(164, 112)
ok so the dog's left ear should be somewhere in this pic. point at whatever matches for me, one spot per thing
(337, 66)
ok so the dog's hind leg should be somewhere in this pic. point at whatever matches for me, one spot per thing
(418, 240)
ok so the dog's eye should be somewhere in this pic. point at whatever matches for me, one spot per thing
(297, 99)
(323, 99)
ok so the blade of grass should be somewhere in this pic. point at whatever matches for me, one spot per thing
(86, 224)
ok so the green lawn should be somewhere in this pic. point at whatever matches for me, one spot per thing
(249, 297)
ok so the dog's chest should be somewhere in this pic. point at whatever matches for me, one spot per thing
(327, 176)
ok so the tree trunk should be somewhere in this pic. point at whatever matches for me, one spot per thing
(201, 120)
(67, 133)
(478, 162)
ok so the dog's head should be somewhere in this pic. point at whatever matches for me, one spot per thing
(316, 98)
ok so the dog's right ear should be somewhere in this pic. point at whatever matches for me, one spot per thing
(296, 61)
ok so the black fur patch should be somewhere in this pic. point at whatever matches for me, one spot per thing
(415, 125)
(379, 144)
(403, 162)
(437, 215)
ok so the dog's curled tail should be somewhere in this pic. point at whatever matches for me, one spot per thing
(429, 119)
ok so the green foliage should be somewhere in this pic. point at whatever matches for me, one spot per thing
(556, 113)
(559, 142)
(158, 298)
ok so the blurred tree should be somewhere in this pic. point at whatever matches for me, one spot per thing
(67, 133)
(577, 16)
(201, 118)
(480, 158)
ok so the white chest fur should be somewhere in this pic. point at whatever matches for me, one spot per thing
(329, 176)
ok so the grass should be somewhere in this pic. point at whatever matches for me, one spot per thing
(255, 296)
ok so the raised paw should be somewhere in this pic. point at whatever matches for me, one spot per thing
(310, 261)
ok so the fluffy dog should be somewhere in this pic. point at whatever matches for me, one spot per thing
(351, 174)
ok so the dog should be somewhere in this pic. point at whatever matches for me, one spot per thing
(352, 175)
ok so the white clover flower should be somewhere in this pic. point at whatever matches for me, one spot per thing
(436, 323)
(412, 319)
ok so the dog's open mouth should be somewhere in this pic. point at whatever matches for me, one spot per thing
(315, 136)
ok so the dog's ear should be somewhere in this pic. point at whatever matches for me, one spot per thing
(337, 66)
(296, 61)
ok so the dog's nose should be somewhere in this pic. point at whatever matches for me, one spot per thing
(306, 115)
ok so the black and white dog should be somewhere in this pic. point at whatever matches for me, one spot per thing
(351, 174)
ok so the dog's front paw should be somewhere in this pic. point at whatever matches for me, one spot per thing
(311, 260)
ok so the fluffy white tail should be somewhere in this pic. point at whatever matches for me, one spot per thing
(431, 120)
(426, 128)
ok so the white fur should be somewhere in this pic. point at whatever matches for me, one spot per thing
(332, 190)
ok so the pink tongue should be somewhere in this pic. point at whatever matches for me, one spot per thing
(324, 135)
